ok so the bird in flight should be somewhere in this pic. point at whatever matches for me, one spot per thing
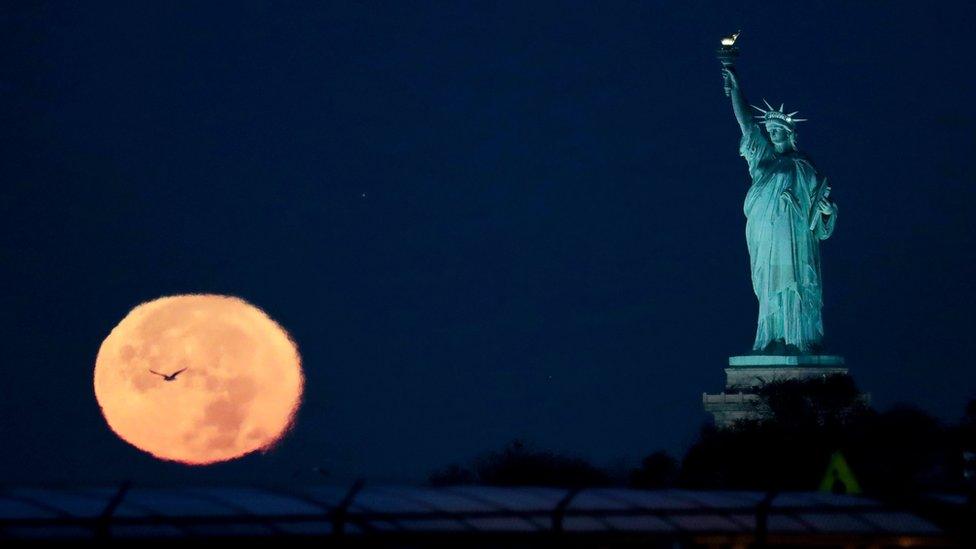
(170, 377)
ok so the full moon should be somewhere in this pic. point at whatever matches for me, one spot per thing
(198, 379)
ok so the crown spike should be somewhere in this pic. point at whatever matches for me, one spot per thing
(777, 114)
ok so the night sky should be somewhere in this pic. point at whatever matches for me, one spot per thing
(479, 222)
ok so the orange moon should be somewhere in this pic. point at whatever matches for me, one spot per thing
(238, 394)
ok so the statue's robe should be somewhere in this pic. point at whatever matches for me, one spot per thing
(783, 241)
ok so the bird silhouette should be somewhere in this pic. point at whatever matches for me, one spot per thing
(730, 40)
(170, 377)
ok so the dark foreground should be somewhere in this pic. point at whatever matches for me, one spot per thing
(472, 516)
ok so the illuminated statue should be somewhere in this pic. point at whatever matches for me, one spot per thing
(787, 215)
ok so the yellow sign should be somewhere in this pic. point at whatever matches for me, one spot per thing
(839, 479)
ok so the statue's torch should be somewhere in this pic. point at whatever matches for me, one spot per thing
(727, 53)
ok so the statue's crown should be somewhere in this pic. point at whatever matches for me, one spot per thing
(779, 117)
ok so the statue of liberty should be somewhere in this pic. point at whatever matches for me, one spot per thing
(787, 215)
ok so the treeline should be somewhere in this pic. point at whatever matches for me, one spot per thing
(898, 452)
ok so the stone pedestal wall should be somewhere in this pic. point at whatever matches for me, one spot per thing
(747, 373)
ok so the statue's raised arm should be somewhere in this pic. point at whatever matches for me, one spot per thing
(739, 104)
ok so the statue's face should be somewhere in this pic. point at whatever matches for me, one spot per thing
(778, 134)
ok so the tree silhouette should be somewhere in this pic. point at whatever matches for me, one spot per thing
(518, 465)
(452, 475)
(894, 453)
(658, 470)
(829, 402)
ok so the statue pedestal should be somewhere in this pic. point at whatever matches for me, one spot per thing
(747, 373)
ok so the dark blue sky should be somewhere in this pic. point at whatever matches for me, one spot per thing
(551, 245)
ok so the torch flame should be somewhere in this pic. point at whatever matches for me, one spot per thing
(730, 40)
